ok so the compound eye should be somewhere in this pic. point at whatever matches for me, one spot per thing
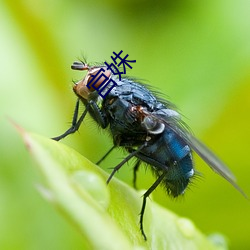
(97, 76)
(153, 126)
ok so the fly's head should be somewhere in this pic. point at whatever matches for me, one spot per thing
(82, 88)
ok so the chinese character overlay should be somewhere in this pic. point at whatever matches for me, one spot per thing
(104, 84)
(104, 91)
(97, 80)
(123, 62)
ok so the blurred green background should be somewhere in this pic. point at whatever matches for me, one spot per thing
(195, 52)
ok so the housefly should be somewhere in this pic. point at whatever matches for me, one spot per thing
(148, 127)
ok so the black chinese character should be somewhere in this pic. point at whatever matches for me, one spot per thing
(101, 85)
(123, 62)
(106, 89)
(97, 80)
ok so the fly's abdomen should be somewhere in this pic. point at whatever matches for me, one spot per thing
(180, 166)
(170, 155)
(178, 176)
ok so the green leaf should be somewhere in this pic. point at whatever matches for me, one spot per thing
(106, 215)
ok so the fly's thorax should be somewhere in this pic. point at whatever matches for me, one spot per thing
(82, 88)
(152, 125)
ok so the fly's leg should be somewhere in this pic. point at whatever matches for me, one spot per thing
(93, 109)
(136, 167)
(145, 196)
(75, 124)
(97, 114)
(105, 155)
(125, 160)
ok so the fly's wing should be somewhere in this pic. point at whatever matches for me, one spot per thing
(175, 124)
(212, 160)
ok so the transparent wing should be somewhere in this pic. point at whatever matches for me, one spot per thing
(208, 156)
(175, 124)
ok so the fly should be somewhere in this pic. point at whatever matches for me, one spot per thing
(149, 128)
